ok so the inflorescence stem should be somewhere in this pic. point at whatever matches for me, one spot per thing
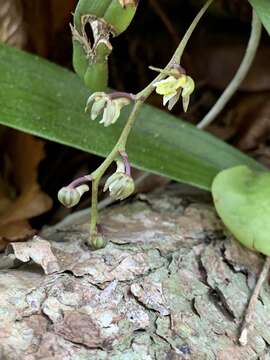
(80, 181)
(138, 102)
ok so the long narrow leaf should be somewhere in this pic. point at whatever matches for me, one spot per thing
(43, 99)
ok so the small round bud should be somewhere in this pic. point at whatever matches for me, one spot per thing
(98, 241)
(120, 185)
(70, 197)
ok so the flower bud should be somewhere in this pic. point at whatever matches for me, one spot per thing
(120, 186)
(70, 197)
(98, 242)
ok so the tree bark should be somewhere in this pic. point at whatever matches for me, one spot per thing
(171, 284)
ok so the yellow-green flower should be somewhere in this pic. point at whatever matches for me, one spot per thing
(173, 87)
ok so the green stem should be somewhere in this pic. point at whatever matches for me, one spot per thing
(121, 143)
(98, 173)
(176, 58)
(254, 40)
(94, 205)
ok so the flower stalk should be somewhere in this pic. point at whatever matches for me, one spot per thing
(109, 105)
(120, 146)
(80, 181)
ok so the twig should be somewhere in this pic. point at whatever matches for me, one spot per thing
(12, 27)
(253, 43)
(243, 339)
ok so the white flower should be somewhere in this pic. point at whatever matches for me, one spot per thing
(104, 104)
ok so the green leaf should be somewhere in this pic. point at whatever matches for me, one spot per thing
(262, 8)
(44, 99)
(242, 200)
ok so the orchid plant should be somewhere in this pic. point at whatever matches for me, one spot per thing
(172, 83)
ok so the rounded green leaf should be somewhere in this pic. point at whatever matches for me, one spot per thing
(242, 200)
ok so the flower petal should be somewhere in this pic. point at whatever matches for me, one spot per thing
(97, 108)
(168, 86)
(174, 100)
(167, 98)
(116, 114)
(185, 102)
(95, 97)
(108, 114)
(156, 84)
(122, 102)
(189, 87)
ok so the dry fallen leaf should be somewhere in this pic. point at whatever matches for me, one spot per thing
(39, 251)
(20, 195)
(12, 27)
